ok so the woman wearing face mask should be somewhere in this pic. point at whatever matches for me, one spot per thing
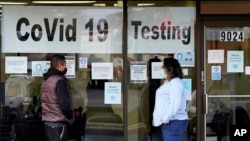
(170, 103)
(57, 108)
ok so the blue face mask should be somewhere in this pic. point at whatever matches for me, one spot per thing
(163, 74)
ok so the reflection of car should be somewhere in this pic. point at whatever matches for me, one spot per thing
(18, 105)
(18, 95)
(23, 113)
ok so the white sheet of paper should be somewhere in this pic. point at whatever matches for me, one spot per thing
(102, 70)
(215, 56)
(16, 64)
(71, 66)
(83, 62)
(216, 72)
(156, 70)
(138, 72)
(247, 70)
(235, 61)
(187, 83)
(185, 72)
(112, 93)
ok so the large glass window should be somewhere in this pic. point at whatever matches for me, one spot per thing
(227, 80)
(91, 40)
(157, 30)
(90, 36)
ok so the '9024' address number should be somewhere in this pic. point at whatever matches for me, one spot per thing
(237, 36)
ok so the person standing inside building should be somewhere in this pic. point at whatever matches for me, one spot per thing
(170, 103)
(57, 108)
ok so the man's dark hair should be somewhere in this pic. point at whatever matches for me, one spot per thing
(173, 67)
(56, 60)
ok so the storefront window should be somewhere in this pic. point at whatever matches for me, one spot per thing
(90, 36)
(157, 30)
(91, 40)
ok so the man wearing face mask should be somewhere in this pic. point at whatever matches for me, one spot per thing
(57, 108)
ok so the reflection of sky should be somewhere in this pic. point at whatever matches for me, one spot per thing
(184, 14)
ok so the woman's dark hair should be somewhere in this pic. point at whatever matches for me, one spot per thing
(173, 67)
(56, 60)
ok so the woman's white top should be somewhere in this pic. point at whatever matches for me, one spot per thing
(170, 102)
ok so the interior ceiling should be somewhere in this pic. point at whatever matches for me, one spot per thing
(111, 3)
(107, 3)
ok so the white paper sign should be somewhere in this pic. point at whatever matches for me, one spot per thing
(102, 71)
(185, 72)
(16, 64)
(187, 83)
(138, 72)
(235, 61)
(216, 72)
(71, 66)
(83, 62)
(156, 70)
(61, 29)
(215, 56)
(40, 67)
(247, 70)
(112, 93)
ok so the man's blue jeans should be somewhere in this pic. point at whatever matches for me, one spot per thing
(174, 130)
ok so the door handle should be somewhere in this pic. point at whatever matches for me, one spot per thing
(205, 103)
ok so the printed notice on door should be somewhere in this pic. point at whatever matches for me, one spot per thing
(216, 72)
(235, 61)
(138, 72)
(215, 56)
(112, 93)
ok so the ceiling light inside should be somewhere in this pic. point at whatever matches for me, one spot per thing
(62, 2)
(99, 4)
(145, 4)
(8, 3)
(119, 3)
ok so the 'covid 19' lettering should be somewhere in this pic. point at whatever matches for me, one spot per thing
(102, 28)
(37, 31)
(25, 30)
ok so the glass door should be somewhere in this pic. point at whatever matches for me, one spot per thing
(227, 80)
